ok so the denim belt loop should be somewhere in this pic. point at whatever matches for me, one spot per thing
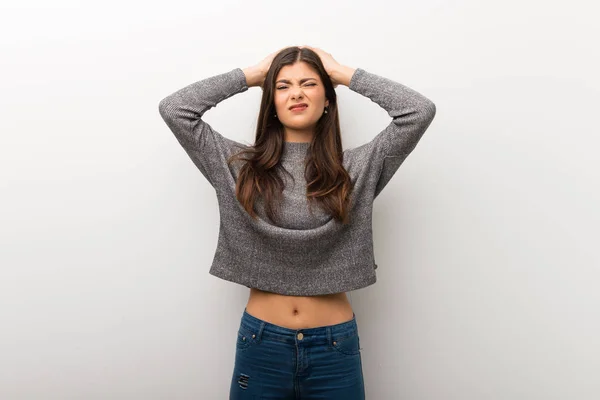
(328, 330)
(261, 326)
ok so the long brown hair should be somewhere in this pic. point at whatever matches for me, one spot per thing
(328, 182)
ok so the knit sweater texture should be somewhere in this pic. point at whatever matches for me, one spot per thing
(307, 252)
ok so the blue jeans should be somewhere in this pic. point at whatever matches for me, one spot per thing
(274, 362)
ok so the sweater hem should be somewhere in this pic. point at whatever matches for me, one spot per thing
(294, 292)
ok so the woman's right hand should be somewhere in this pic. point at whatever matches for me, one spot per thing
(256, 74)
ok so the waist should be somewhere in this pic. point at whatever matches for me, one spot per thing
(259, 329)
(299, 312)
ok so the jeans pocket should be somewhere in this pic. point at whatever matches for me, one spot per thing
(246, 338)
(346, 344)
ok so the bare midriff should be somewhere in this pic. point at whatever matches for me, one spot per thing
(299, 312)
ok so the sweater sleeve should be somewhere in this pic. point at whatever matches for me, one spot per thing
(182, 111)
(411, 113)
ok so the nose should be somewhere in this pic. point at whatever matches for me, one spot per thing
(297, 93)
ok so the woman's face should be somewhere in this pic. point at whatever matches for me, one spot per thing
(295, 84)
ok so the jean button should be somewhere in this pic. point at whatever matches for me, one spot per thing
(300, 336)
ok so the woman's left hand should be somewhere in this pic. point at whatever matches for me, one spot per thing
(331, 66)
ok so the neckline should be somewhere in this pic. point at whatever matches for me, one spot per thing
(294, 150)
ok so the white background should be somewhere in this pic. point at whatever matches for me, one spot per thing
(486, 238)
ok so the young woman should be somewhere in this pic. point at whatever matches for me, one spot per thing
(295, 211)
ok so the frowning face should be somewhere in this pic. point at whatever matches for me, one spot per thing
(299, 84)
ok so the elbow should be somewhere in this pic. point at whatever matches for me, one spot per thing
(428, 111)
(425, 115)
(164, 107)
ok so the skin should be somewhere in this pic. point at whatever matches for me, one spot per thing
(289, 90)
(299, 312)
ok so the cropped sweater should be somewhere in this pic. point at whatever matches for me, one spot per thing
(307, 252)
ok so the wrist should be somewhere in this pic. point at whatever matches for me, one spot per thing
(343, 74)
(254, 77)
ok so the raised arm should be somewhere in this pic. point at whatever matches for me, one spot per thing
(411, 113)
(182, 111)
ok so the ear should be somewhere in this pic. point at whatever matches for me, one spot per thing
(326, 103)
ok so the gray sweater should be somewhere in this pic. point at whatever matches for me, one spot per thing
(306, 253)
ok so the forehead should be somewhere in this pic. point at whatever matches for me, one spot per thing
(296, 72)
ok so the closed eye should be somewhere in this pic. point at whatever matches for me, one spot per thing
(284, 87)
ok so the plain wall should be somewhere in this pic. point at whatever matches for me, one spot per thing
(486, 238)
